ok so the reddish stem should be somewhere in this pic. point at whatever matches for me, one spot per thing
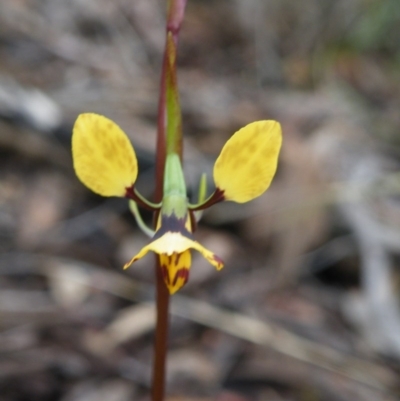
(176, 10)
(162, 295)
(161, 336)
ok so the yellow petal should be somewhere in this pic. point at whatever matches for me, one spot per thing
(104, 159)
(138, 256)
(248, 161)
(175, 269)
(210, 256)
(171, 242)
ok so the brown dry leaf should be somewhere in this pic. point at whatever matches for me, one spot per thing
(269, 367)
(130, 323)
(29, 145)
(69, 283)
(353, 160)
(190, 365)
(186, 398)
(274, 336)
(109, 390)
(231, 396)
(42, 207)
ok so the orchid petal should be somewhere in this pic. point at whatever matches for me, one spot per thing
(104, 159)
(176, 243)
(248, 161)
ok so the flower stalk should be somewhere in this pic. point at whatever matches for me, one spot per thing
(169, 122)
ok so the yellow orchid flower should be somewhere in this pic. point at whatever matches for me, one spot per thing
(172, 242)
(105, 161)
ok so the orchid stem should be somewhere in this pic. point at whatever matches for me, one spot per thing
(166, 119)
(161, 336)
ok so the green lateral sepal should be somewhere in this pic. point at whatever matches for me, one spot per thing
(138, 217)
(216, 197)
(133, 194)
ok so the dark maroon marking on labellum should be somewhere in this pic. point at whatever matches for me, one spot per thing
(181, 273)
(164, 270)
(217, 259)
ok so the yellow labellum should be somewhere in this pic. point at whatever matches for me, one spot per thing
(104, 159)
(175, 269)
(248, 161)
(173, 249)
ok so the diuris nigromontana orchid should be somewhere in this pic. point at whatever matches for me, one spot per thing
(105, 161)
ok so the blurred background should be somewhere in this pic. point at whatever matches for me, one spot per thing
(307, 306)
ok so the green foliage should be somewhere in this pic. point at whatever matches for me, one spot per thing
(378, 27)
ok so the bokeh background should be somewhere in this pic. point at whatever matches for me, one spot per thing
(307, 306)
